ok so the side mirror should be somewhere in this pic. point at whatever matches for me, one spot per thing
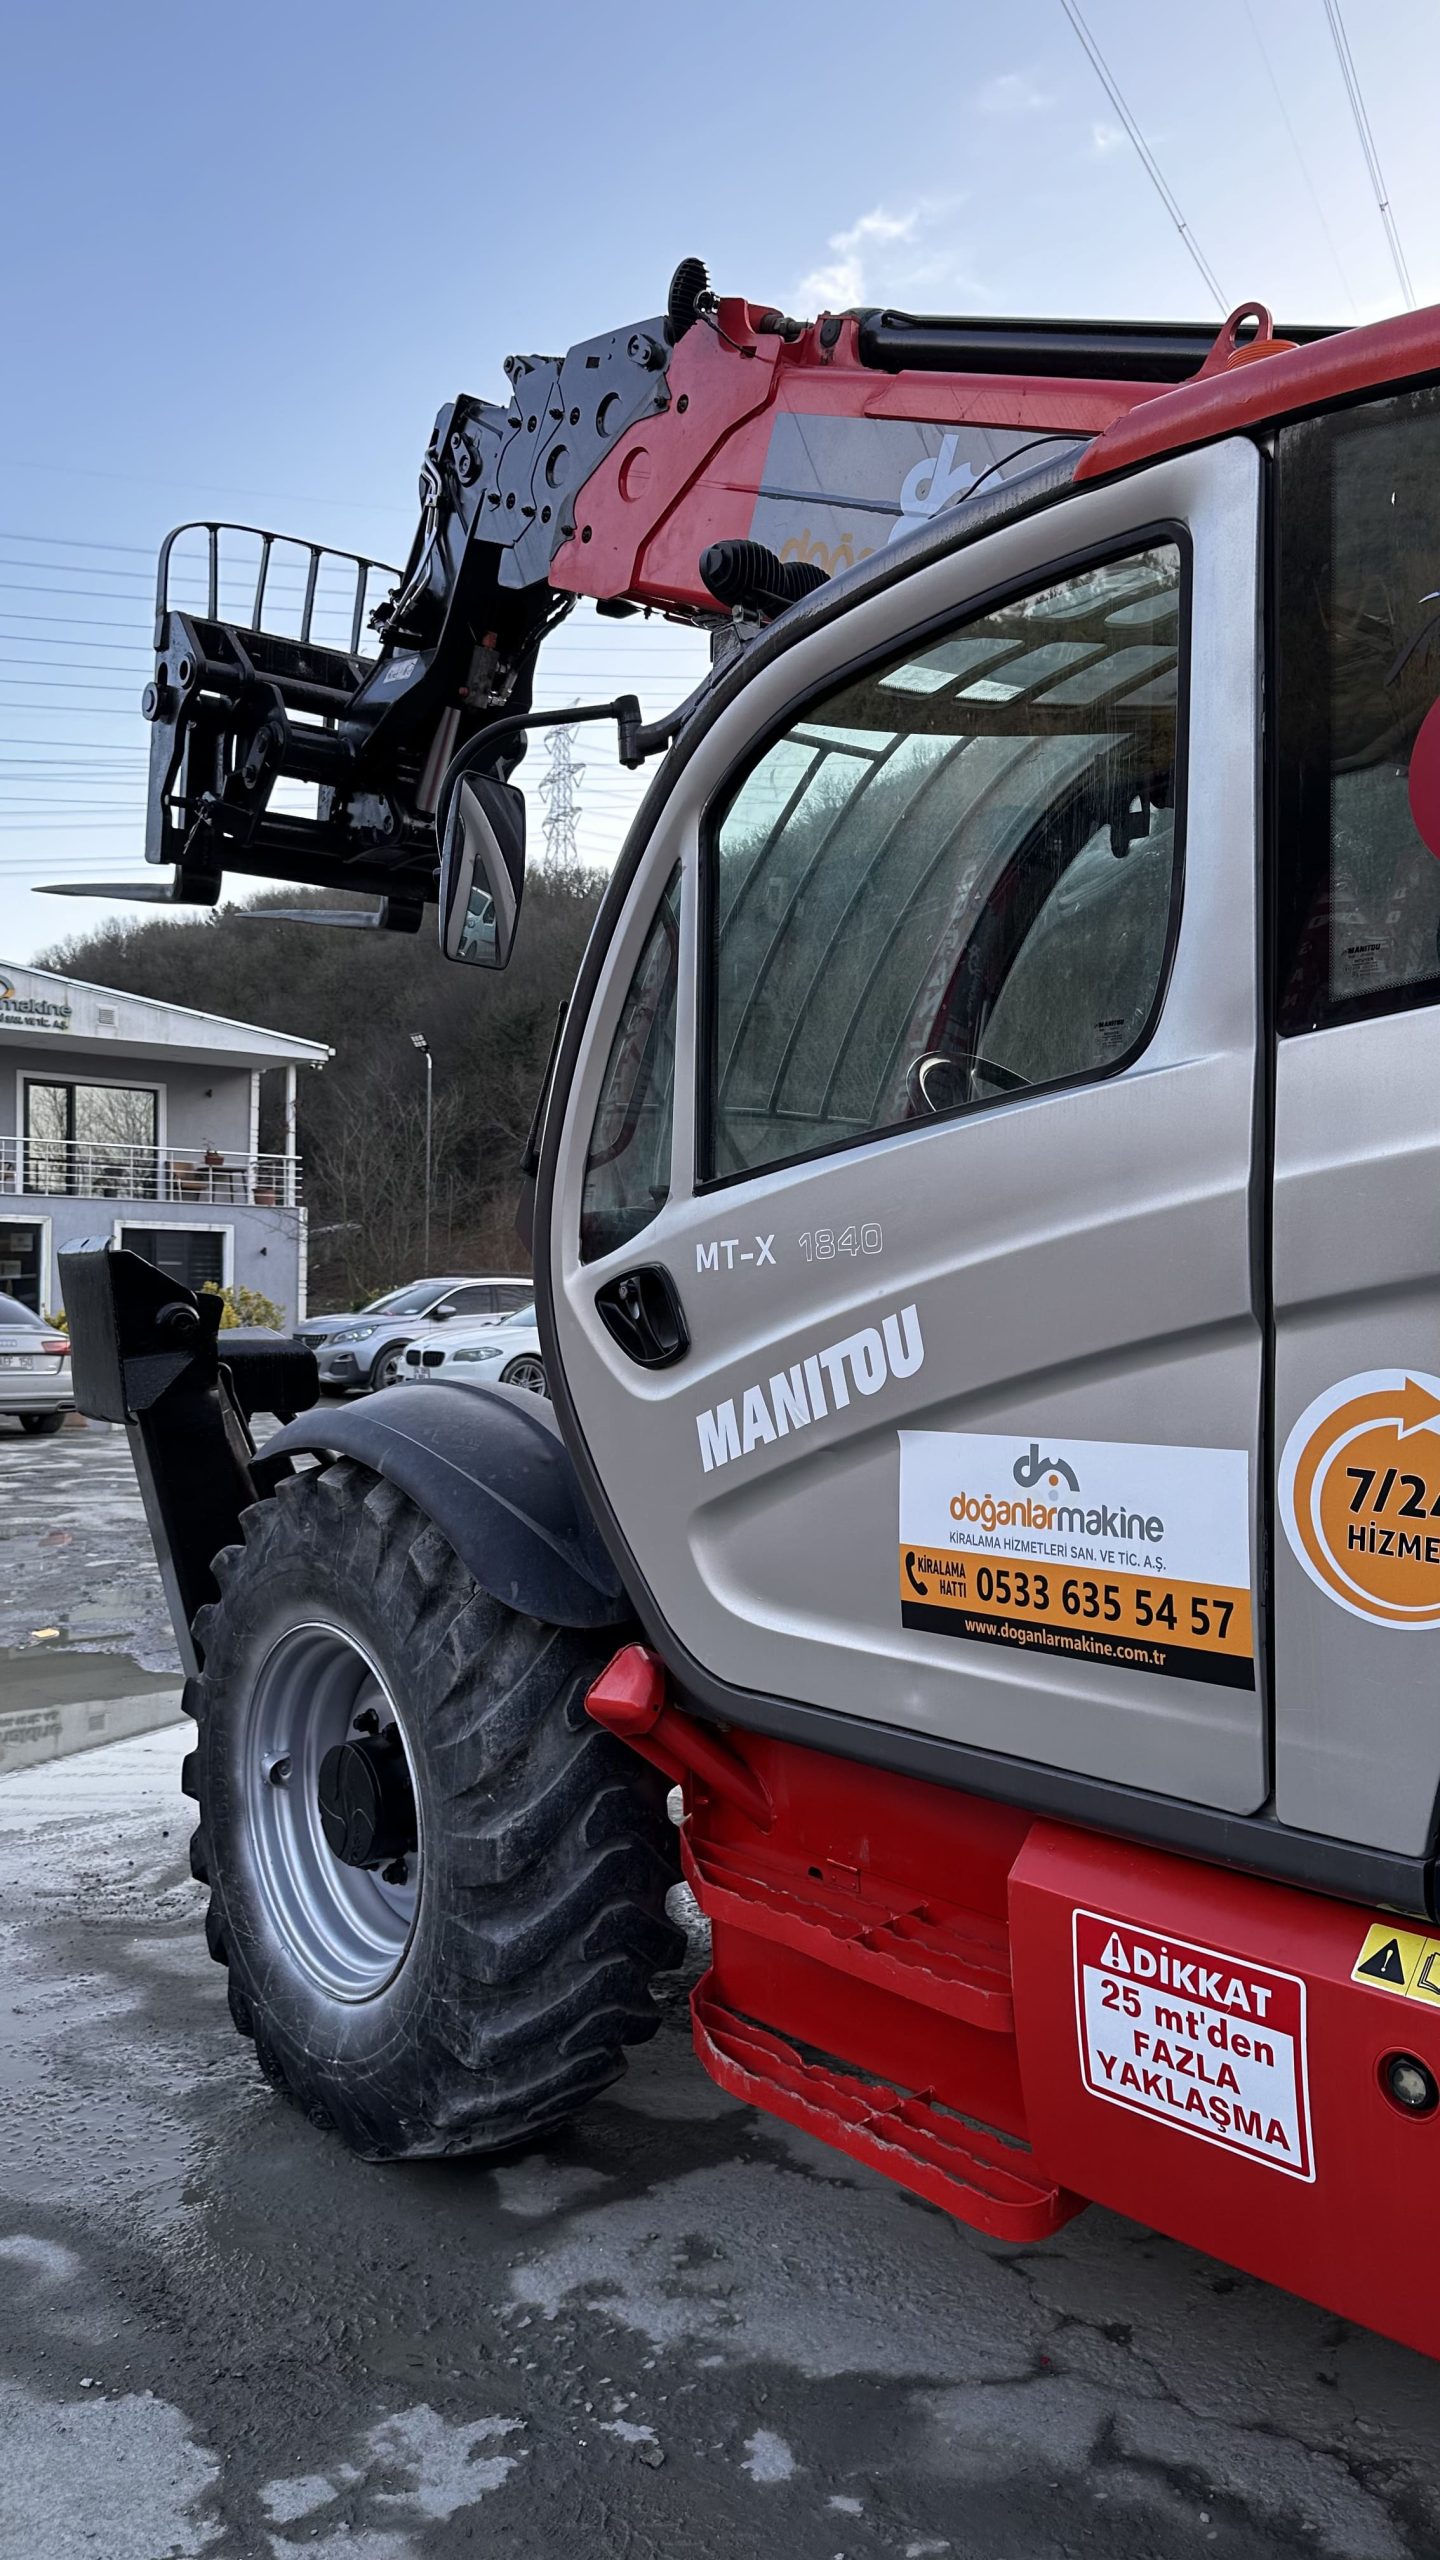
(482, 871)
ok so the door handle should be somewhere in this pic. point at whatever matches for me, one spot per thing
(642, 1312)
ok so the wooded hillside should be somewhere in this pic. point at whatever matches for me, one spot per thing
(362, 1117)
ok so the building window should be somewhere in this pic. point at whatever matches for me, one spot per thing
(99, 1140)
(21, 1262)
(194, 1255)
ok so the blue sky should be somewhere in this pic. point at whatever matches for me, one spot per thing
(250, 252)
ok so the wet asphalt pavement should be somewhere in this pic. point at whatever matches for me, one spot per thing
(677, 2332)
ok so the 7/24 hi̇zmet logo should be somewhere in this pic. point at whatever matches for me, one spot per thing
(1360, 1496)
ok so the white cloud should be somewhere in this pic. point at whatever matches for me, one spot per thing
(1105, 138)
(1013, 93)
(836, 286)
(886, 255)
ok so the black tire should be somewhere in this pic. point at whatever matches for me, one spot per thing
(528, 1371)
(539, 1915)
(375, 1381)
(40, 1425)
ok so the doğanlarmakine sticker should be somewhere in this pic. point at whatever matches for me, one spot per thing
(1127, 1553)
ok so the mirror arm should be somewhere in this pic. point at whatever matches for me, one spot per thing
(624, 711)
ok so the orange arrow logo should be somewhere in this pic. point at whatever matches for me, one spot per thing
(1360, 1496)
(1417, 1407)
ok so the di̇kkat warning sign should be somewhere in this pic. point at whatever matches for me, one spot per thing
(1108, 1551)
(1360, 1496)
(1197, 2039)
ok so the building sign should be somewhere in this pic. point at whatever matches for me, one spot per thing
(31, 1013)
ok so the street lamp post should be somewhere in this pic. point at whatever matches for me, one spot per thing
(419, 1041)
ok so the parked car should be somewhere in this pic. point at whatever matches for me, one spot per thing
(365, 1349)
(507, 1354)
(35, 1379)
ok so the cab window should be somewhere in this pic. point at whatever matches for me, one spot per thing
(954, 878)
(627, 1169)
(1357, 669)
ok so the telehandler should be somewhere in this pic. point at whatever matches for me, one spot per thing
(986, 1225)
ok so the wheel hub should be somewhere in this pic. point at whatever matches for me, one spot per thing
(367, 1804)
(336, 1838)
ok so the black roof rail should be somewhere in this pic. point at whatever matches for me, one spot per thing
(1113, 350)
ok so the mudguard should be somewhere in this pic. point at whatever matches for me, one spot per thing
(488, 1466)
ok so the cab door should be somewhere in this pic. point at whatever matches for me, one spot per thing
(1357, 1127)
(903, 1299)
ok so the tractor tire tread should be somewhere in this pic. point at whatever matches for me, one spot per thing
(547, 1843)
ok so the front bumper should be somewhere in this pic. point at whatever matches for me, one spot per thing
(465, 1373)
(341, 1368)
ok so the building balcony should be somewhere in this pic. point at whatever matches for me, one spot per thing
(97, 1169)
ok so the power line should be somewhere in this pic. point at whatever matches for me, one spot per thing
(1147, 158)
(77, 569)
(80, 542)
(1351, 79)
(1300, 160)
(43, 640)
(145, 480)
(76, 621)
(59, 680)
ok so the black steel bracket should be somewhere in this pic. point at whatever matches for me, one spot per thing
(148, 1353)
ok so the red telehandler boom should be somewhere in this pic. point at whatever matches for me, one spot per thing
(611, 472)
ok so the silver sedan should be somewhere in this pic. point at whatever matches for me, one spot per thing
(35, 1381)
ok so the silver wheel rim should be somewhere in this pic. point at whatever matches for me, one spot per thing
(391, 1371)
(526, 1372)
(346, 1926)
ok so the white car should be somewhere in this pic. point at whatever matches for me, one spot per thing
(35, 1382)
(365, 1348)
(506, 1353)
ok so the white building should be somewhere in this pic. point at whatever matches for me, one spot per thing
(124, 1117)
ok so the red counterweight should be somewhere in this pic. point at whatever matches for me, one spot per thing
(1014, 2017)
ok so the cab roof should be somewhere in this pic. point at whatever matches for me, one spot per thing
(1253, 390)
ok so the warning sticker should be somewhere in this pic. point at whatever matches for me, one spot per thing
(1206, 2042)
(1399, 1960)
(1360, 1495)
(1105, 1550)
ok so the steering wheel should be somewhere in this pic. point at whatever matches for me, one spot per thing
(935, 1083)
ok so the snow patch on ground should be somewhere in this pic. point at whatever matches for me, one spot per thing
(768, 2457)
(536, 2188)
(121, 2476)
(438, 2462)
(766, 2263)
(449, 2470)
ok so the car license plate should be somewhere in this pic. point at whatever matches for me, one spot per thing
(18, 1360)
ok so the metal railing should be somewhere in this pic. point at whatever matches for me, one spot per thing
(106, 1169)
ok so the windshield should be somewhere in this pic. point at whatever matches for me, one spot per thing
(11, 1312)
(522, 1315)
(417, 1300)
